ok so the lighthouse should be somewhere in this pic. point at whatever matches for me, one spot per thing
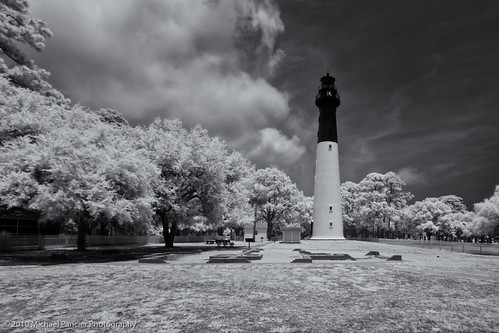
(327, 218)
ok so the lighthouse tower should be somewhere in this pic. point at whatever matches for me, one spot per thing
(327, 218)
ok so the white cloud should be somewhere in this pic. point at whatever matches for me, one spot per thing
(176, 58)
(411, 176)
(265, 17)
(275, 60)
(276, 148)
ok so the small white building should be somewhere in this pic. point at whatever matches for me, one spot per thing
(291, 234)
(260, 232)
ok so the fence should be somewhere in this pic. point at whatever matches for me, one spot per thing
(21, 243)
(11, 242)
(465, 247)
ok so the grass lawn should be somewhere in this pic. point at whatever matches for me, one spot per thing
(457, 294)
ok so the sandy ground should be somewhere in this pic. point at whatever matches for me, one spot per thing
(428, 291)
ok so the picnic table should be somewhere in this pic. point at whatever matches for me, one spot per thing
(224, 243)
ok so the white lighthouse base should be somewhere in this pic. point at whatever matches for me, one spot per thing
(327, 217)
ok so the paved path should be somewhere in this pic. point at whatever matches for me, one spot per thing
(425, 261)
(279, 253)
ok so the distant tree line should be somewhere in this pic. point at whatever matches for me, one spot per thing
(378, 207)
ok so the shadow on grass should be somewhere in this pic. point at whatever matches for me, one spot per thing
(99, 255)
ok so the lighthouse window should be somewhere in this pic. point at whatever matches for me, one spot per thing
(330, 224)
(330, 147)
(330, 209)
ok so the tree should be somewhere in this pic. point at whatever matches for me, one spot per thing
(461, 224)
(453, 223)
(27, 113)
(278, 198)
(71, 177)
(18, 27)
(302, 215)
(236, 195)
(194, 174)
(351, 203)
(487, 213)
(455, 203)
(423, 215)
(384, 194)
(375, 205)
(445, 217)
(111, 116)
(69, 166)
(258, 197)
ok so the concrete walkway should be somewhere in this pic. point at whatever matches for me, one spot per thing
(417, 260)
(279, 253)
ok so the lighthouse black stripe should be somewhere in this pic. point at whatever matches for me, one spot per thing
(327, 126)
(327, 100)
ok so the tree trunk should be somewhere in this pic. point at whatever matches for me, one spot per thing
(169, 237)
(82, 234)
(269, 229)
(169, 231)
(254, 224)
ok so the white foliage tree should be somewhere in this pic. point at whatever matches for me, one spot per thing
(351, 204)
(70, 166)
(375, 205)
(487, 213)
(238, 187)
(279, 200)
(17, 28)
(197, 177)
(445, 216)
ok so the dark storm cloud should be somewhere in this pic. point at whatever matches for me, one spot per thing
(416, 80)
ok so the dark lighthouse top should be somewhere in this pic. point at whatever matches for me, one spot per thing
(327, 100)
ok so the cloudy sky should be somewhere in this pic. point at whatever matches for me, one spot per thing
(418, 80)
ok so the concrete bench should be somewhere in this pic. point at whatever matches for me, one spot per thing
(304, 259)
(227, 259)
